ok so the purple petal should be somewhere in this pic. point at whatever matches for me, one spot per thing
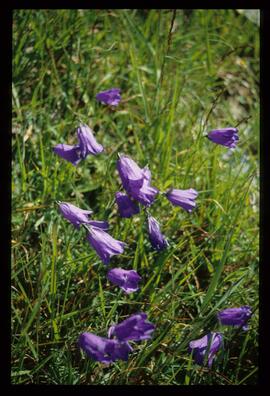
(75, 215)
(125, 279)
(103, 225)
(235, 316)
(102, 349)
(104, 245)
(183, 198)
(132, 176)
(227, 137)
(69, 153)
(126, 207)
(87, 142)
(136, 181)
(157, 240)
(146, 194)
(134, 328)
(111, 97)
(200, 347)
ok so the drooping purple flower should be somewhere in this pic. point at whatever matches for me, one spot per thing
(87, 142)
(130, 173)
(207, 345)
(183, 198)
(134, 328)
(104, 245)
(126, 207)
(102, 349)
(75, 215)
(136, 181)
(111, 97)
(235, 316)
(125, 279)
(69, 153)
(227, 137)
(157, 240)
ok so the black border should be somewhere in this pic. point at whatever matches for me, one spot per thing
(5, 110)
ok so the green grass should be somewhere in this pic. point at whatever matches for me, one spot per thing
(177, 82)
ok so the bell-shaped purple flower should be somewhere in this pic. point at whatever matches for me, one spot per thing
(111, 97)
(227, 137)
(126, 207)
(102, 349)
(87, 142)
(207, 345)
(235, 316)
(125, 279)
(75, 215)
(134, 328)
(104, 245)
(157, 240)
(136, 181)
(69, 153)
(130, 173)
(183, 198)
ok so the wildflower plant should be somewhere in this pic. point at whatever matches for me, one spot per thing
(137, 183)
(187, 287)
(138, 188)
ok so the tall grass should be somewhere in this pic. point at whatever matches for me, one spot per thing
(181, 74)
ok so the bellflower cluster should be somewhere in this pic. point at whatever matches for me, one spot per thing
(211, 342)
(104, 245)
(137, 183)
(139, 194)
(108, 350)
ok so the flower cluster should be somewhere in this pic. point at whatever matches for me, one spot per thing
(108, 350)
(137, 184)
(205, 349)
(139, 193)
(102, 242)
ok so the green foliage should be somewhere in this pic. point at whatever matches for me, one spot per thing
(175, 86)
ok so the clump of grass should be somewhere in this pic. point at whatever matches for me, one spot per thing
(181, 74)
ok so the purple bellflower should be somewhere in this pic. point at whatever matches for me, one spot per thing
(136, 181)
(157, 240)
(87, 145)
(87, 142)
(126, 207)
(102, 349)
(130, 173)
(227, 137)
(183, 198)
(69, 153)
(235, 316)
(104, 245)
(125, 279)
(111, 97)
(73, 214)
(77, 216)
(207, 345)
(134, 328)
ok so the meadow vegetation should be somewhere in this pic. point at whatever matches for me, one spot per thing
(181, 74)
